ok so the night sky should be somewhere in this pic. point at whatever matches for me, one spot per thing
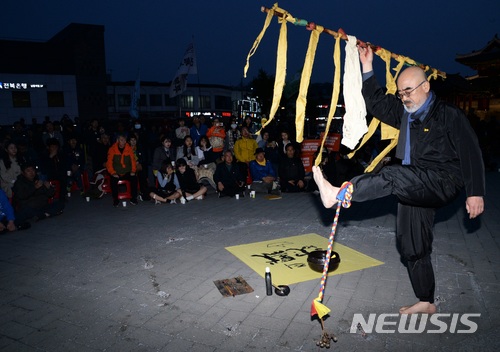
(151, 35)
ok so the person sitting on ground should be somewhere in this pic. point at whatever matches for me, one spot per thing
(168, 184)
(291, 172)
(228, 178)
(121, 165)
(8, 221)
(189, 187)
(9, 168)
(163, 152)
(263, 175)
(31, 196)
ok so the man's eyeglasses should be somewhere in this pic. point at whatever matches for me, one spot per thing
(407, 92)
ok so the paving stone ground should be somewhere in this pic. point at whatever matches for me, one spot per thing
(140, 278)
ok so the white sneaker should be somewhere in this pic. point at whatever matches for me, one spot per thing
(199, 198)
(183, 200)
(189, 198)
(173, 201)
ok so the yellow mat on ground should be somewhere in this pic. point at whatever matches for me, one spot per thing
(287, 258)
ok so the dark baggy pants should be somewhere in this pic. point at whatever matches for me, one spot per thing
(420, 192)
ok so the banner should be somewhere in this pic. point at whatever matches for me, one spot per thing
(136, 95)
(187, 67)
(188, 64)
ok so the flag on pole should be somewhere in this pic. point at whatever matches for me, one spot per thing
(136, 95)
(187, 67)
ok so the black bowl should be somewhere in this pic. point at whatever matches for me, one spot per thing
(316, 260)
(282, 290)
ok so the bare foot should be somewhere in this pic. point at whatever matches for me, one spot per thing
(419, 307)
(326, 190)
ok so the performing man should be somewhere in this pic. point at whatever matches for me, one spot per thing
(440, 156)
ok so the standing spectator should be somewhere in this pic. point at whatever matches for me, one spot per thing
(291, 172)
(232, 135)
(197, 130)
(217, 134)
(121, 165)
(9, 168)
(52, 133)
(180, 133)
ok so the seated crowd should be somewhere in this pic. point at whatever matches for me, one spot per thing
(41, 166)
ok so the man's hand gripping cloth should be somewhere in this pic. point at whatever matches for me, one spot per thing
(355, 117)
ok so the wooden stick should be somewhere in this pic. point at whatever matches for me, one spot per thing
(343, 35)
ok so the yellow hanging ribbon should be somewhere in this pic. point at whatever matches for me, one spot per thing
(335, 96)
(256, 43)
(279, 81)
(304, 83)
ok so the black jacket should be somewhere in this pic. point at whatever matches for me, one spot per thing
(444, 141)
(226, 176)
(291, 169)
(26, 195)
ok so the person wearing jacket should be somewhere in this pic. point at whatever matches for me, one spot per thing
(291, 172)
(263, 174)
(244, 150)
(227, 177)
(121, 165)
(34, 198)
(440, 157)
(217, 135)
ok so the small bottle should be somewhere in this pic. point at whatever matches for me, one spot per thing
(269, 283)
